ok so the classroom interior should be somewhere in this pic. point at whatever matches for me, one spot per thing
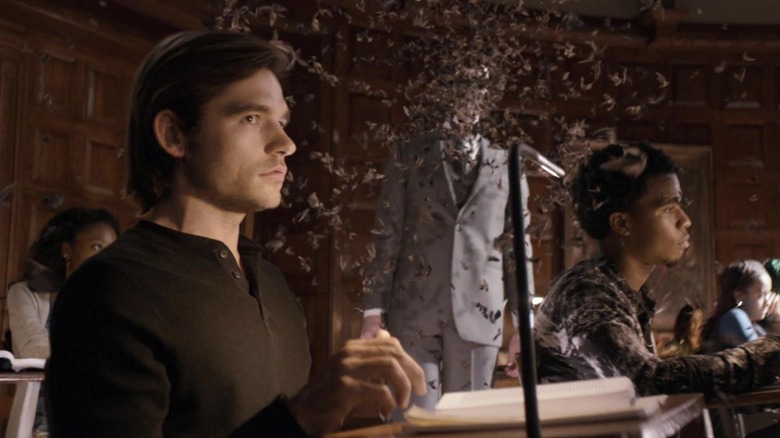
(699, 78)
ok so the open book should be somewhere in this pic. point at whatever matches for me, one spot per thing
(9, 363)
(559, 403)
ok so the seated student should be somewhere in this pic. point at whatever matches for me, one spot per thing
(180, 328)
(67, 240)
(687, 333)
(740, 306)
(596, 320)
(771, 323)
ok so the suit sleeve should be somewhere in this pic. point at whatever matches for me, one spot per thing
(388, 233)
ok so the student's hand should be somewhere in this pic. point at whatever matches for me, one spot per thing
(512, 367)
(372, 325)
(359, 376)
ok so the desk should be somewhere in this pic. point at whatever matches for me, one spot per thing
(762, 396)
(735, 422)
(677, 412)
(21, 377)
(22, 415)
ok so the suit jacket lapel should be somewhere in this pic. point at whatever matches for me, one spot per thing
(486, 167)
(447, 172)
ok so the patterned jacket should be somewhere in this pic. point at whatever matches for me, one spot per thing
(593, 325)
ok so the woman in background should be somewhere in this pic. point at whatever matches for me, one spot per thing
(67, 240)
(741, 305)
(772, 320)
(687, 333)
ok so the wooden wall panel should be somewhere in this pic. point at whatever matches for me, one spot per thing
(690, 133)
(63, 103)
(364, 111)
(55, 79)
(739, 245)
(743, 87)
(742, 146)
(690, 86)
(371, 54)
(747, 207)
(107, 97)
(10, 70)
(103, 167)
(50, 157)
(637, 84)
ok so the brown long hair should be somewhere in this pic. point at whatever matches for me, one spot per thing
(736, 276)
(182, 73)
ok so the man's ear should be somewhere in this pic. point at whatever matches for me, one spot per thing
(618, 222)
(169, 134)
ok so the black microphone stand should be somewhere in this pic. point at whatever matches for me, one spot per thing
(524, 312)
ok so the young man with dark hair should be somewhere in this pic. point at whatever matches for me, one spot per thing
(596, 320)
(181, 329)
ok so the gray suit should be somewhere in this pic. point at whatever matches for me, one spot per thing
(437, 271)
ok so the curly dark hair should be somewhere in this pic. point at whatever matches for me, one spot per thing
(45, 268)
(598, 190)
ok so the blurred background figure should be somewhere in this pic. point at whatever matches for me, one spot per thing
(772, 320)
(442, 275)
(67, 240)
(740, 306)
(687, 333)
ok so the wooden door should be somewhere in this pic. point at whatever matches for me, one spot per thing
(63, 114)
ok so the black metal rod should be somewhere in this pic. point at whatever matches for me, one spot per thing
(525, 317)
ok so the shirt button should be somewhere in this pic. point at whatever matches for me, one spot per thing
(223, 253)
(236, 275)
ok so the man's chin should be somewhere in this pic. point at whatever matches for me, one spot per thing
(673, 263)
(269, 204)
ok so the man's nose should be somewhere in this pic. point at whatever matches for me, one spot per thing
(283, 144)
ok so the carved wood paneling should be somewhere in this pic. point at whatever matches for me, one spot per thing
(643, 130)
(747, 208)
(371, 54)
(743, 87)
(365, 111)
(56, 84)
(9, 89)
(103, 168)
(575, 80)
(734, 246)
(690, 133)
(690, 86)
(107, 99)
(743, 146)
(51, 158)
(61, 125)
(636, 84)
